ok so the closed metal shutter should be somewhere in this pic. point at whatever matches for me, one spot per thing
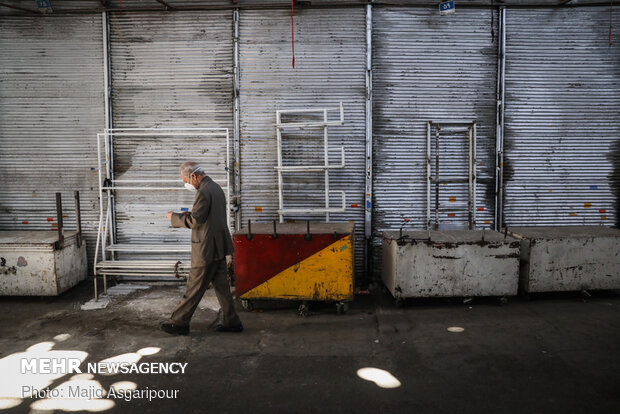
(51, 107)
(168, 70)
(429, 67)
(562, 122)
(330, 52)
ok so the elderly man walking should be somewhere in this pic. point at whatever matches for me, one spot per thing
(211, 242)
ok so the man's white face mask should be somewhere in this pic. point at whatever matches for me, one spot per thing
(190, 187)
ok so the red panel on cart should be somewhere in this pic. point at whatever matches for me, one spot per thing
(263, 257)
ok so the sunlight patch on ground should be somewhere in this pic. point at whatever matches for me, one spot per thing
(380, 377)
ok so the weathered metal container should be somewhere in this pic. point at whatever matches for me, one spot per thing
(450, 263)
(568, 258)
(300, 261)
(33, 264)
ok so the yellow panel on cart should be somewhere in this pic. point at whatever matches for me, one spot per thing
(326, 275)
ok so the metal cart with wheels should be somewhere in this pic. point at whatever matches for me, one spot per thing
(304, 262)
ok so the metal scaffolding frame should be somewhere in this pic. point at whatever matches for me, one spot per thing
(105, 245)
(455, 126)
(325, 167)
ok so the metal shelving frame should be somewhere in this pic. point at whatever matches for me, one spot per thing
(325, 167)
(105, 246)
(455, 126)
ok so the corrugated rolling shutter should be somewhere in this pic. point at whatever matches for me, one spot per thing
(51, 107)
(429, 67)
(168, 70)
(329, 68)
(562, 122)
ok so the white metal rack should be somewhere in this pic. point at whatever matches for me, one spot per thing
(325, 167)
(105, 262)
(468, 127)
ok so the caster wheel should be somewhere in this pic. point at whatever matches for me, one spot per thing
(342, 308)
(303, 310)
(502, 301)
(247, 305)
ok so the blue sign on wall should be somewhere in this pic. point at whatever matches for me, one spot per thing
(447, 7)
(44, 4)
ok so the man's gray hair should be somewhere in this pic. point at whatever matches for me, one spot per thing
(191, 167)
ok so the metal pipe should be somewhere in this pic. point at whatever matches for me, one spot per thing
(154, 181)
(78, 218)
(141, 264)
(500, 215)
(369, 159)
(227, 179)
(142, 188)
(150, 248)
(470, 179)
(105, 235)
(475, 172)
(107, 72)
(497, 121)
(106, 94)
(453, 125)
(339, 108)
(428, 174)
(107, 123)
(61, 237)
(106, 227)
(156, 276)
(319, 124)
(369, 176)
(111, 194)
(100, 216)
(326, 156)
(115, 131)
(279, 154)
(436, 177)
(147, 181)
(237, 124)
(168, 134)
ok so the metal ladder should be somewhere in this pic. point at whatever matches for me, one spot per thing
(281, 168)
(469, 127)
(106, 262)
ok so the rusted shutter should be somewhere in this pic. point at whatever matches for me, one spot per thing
(330, 50)
(168, 70)
(437, 68)
(51, 107)
(562, 122)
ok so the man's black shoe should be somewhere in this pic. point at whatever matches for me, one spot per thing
(223, 328)
(174, 329)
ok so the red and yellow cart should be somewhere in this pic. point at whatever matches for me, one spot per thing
(305, 261)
